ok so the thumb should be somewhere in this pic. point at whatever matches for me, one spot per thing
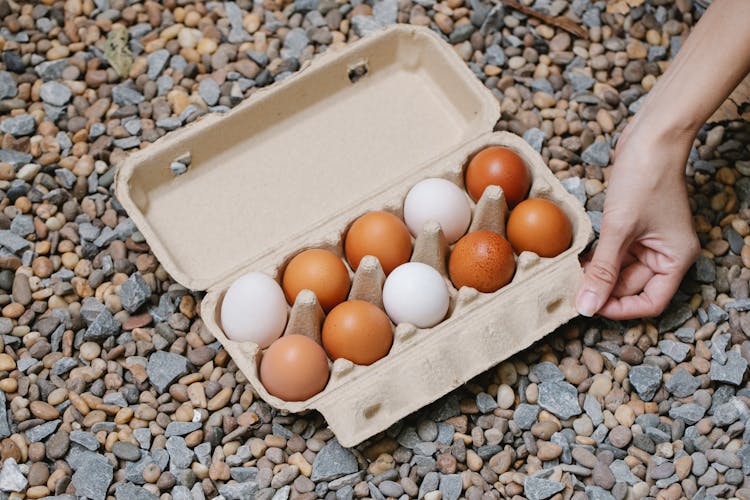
(601, 273)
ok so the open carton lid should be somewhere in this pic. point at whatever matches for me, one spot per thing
(291, 157)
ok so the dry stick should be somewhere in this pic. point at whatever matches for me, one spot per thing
(561, 22)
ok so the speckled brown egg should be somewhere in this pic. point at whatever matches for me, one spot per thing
(482, 260)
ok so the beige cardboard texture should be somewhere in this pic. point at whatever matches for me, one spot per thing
(295, 165)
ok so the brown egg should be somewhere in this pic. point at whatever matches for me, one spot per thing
(382, 235)
(320, 271)
(498, 166)
(482, 260)
(358, 331)
(294, 368)
(538, 225)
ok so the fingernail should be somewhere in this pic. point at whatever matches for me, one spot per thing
(587, 304)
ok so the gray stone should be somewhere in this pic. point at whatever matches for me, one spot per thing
(580, 81)
(364, 25)
(15, 158)
(385, 12)
(55, 93)
(682, 384)
(177, 168)
(537, 488)
(51, 70)
(5, 430)
(732, 372)
(181, 428)
(535, 138)
(126, 96)
(239, 491)
(180, 456)
(559, 398)
(546, 372)
(675, 350)
(593, 409)
(597, 493)
(164, 367)
(674, 317)
(209, 91)
(22, 225)
(129, 491)
(294, 43)
(333, 461)
(163, 85)
(85, 439)
(64, 365)
(622, 472)
(726, 414)
(40, 432)
(716, 314)
(104, 326)
(157, 61)
(450, 486)
(127, 142)
(429, 483)
(525, 415)
(143, 436)
(126, 451)
(494, 55)
(11, 477)
(574, 185)
(718, 348)
(427, 430)
(282, 493)
(92, 477)
(391, 489)
(8, 87)
(237, 32)
(18, 126)
(597, 154)
(243, 474)
(689, 413)
(134, 292)
(685, 334)
(90, 309)
(704, 269)
(485, 402)
(646, 380)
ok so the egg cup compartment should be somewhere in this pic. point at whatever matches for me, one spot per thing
(292, 167)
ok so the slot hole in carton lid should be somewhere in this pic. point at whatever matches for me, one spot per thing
(371, 410)
(357, 71)
(180, 164)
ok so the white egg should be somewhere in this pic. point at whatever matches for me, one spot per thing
(254, 310)
(441, 201)
(415, 293)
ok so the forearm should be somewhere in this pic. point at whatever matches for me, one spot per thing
(711, 63)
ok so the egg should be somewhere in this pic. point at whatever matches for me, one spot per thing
(441, 201)
(294, 368)
(382, 235)
(538, 225)
(358, 331)
(498, 166)
(254, 310)
(415, 293)
(482, 260)
(320, 271)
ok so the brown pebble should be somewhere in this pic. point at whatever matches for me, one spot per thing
(40, 409)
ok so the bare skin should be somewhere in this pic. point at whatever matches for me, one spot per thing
(647, 241)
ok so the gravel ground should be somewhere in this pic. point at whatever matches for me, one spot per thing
(112, 386)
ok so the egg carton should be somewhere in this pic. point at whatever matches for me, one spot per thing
(294, 165)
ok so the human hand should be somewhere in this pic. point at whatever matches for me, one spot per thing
(647, 241)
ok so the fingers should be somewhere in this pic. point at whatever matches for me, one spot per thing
(601, 273)
(633, 277)
(651, 302)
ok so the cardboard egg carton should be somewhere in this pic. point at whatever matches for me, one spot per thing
(292, 167)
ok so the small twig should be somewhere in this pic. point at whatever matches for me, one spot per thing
(561, 22)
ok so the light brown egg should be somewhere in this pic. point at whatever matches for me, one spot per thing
(382, 235)
(358, 331)
(294, 368)
(318, 270)
(482, 260)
